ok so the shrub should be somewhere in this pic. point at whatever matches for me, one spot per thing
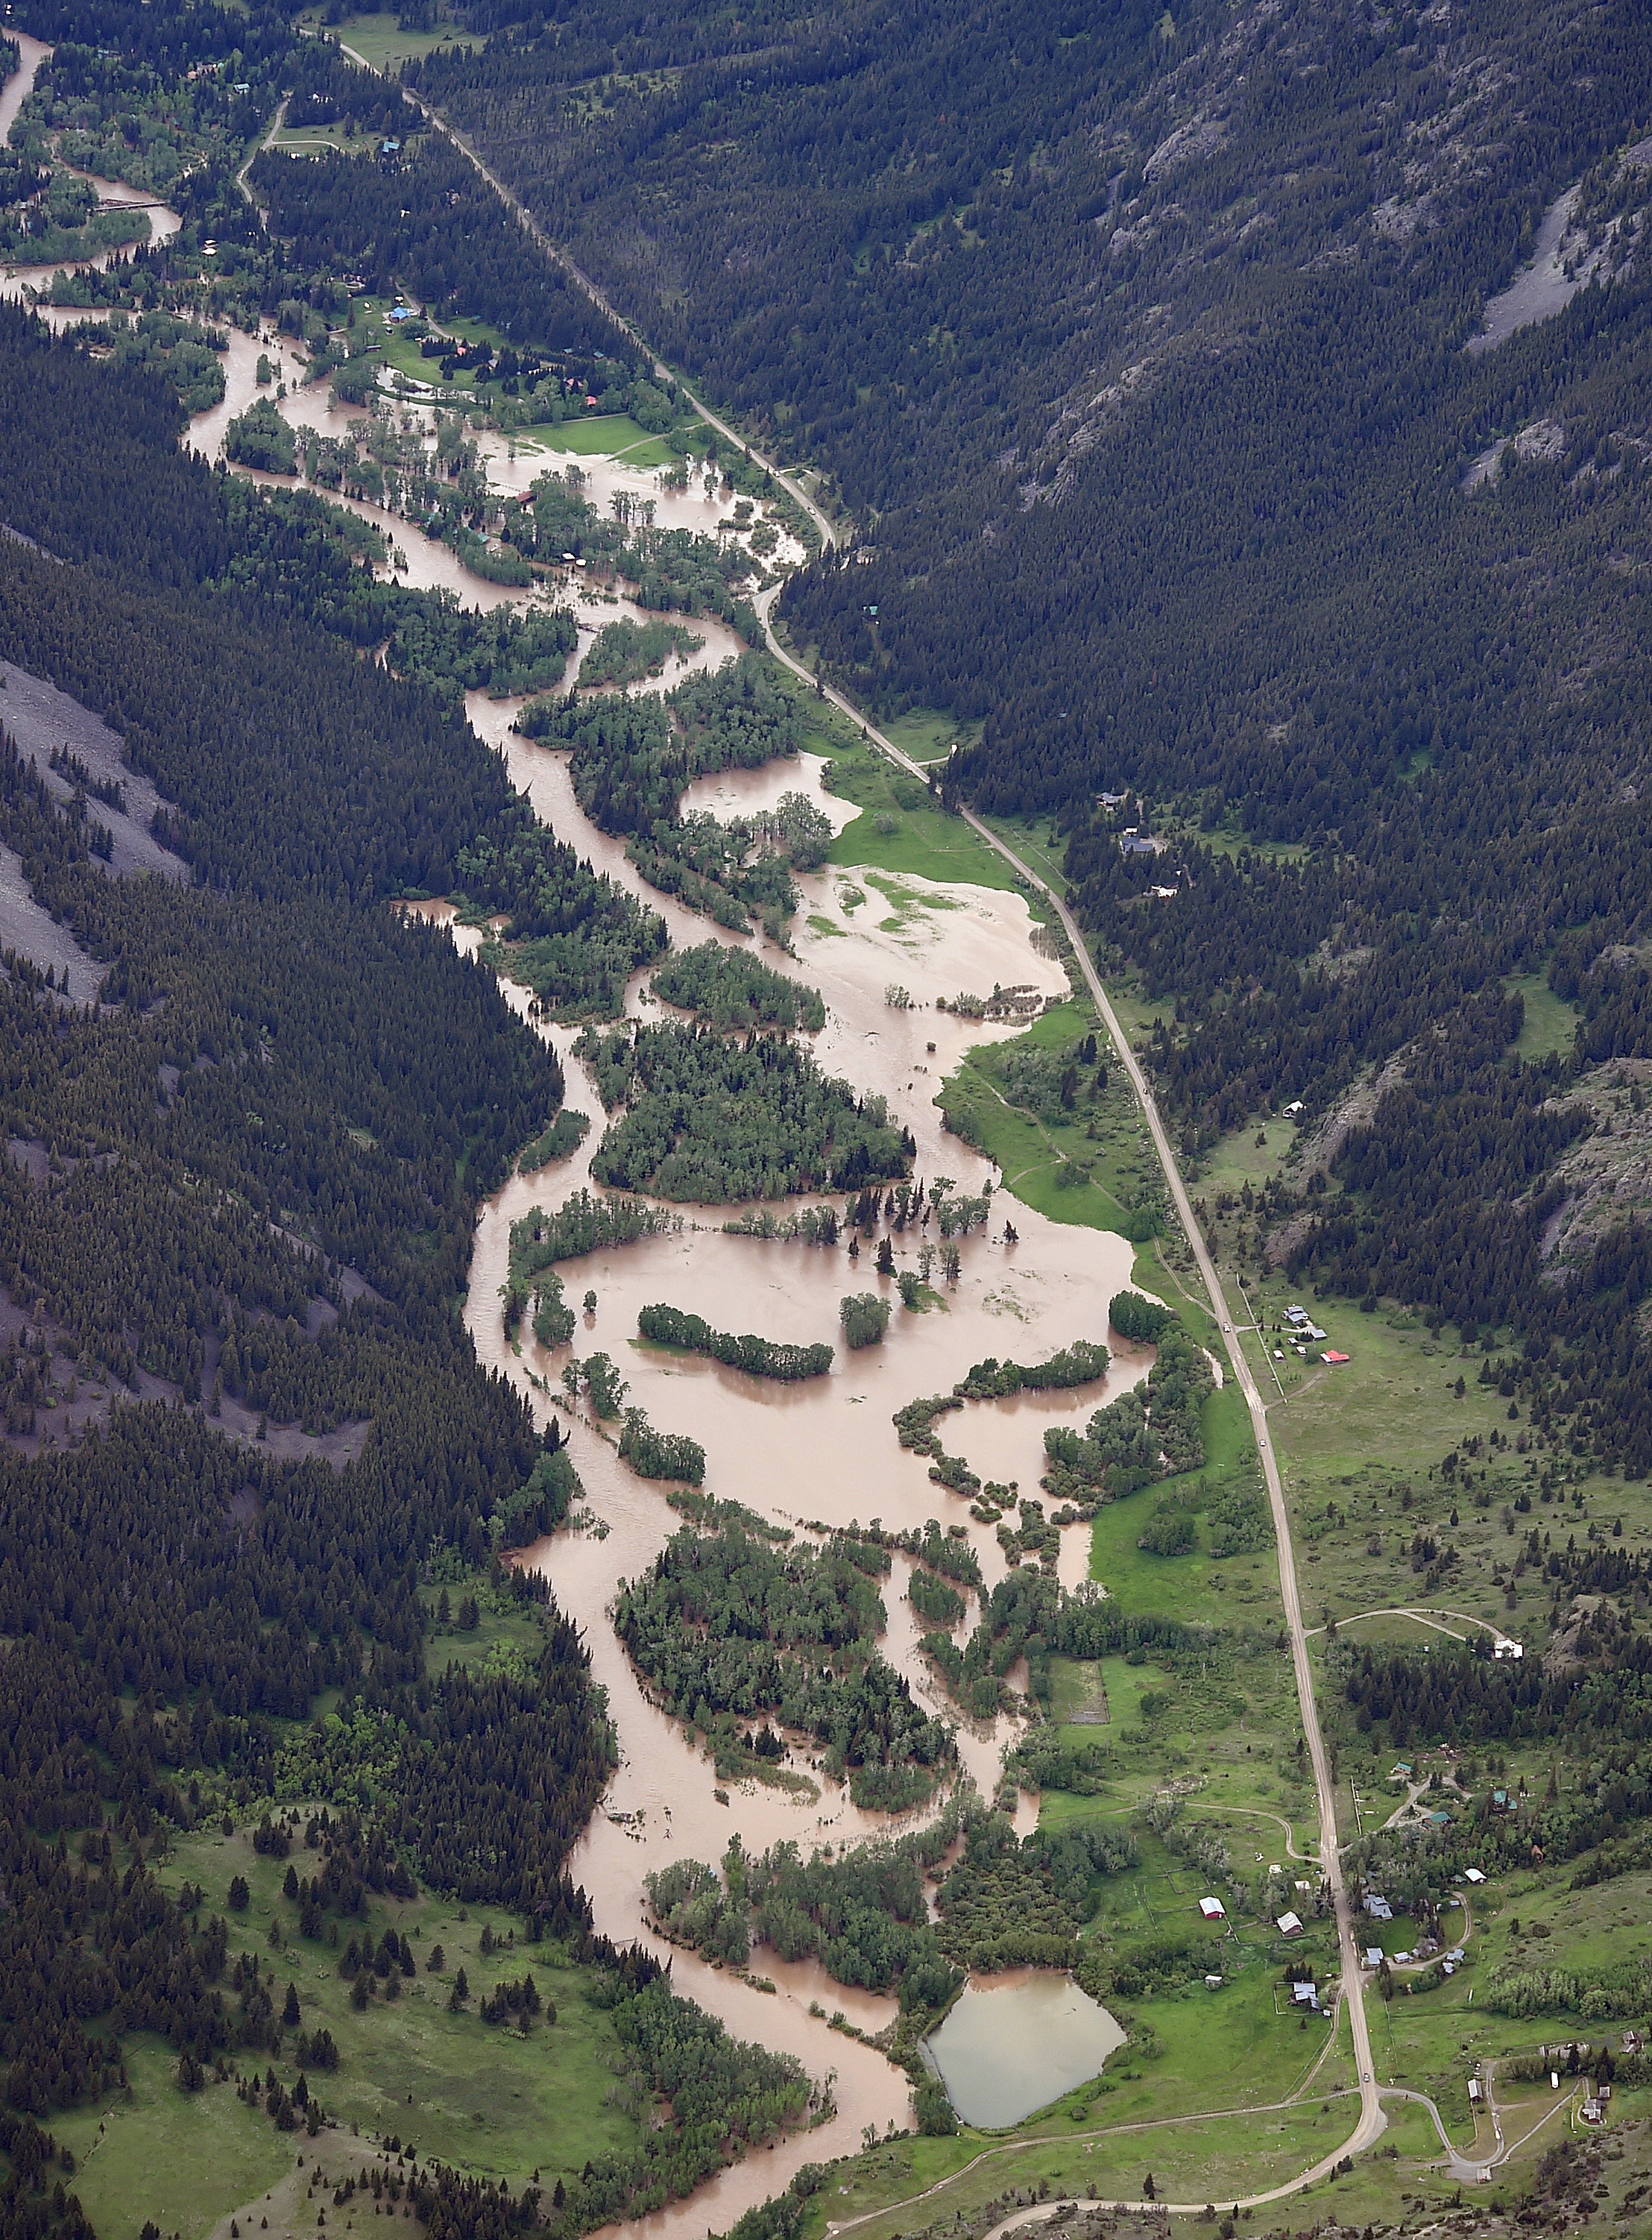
(758, 1356)
(261, 438)
(933, 1599)
(659, 1454)
(1169, 1532)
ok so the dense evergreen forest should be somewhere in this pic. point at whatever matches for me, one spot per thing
(1238, 520)
(1132, 353)
(430, 225)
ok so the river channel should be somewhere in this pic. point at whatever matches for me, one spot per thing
(821, 1453)
(18, 282)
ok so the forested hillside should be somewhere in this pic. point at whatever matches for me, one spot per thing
(241, 1418)
(1183, 313)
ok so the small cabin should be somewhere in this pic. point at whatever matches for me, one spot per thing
(1289, 1924)
(1212, 1909)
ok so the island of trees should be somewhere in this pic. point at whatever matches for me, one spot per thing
(731, 1628)
(730, 989)
(758, 1356)
(712, 1122)
(633, 757)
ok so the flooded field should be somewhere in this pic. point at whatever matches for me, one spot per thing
(419, 561)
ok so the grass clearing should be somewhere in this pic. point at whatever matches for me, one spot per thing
(1550, 1023)
(1358, 1523)
(384, 45)
(323, 140)
(1196, 1587)
(1207, 2157)
(1233, 844)
(1035, 841)
(485, 2098)
(608, 435)
(1091, 1163)
(506, 1634)
(185, 2159)
(927, 735)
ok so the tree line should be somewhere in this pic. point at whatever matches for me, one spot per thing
(254, 1169)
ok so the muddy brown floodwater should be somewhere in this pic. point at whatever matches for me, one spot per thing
(821, 1452)
(510, 465)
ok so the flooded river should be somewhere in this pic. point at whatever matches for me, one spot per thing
(814, 1456)
(420, 561)
(820, 1453)
(18, 282)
